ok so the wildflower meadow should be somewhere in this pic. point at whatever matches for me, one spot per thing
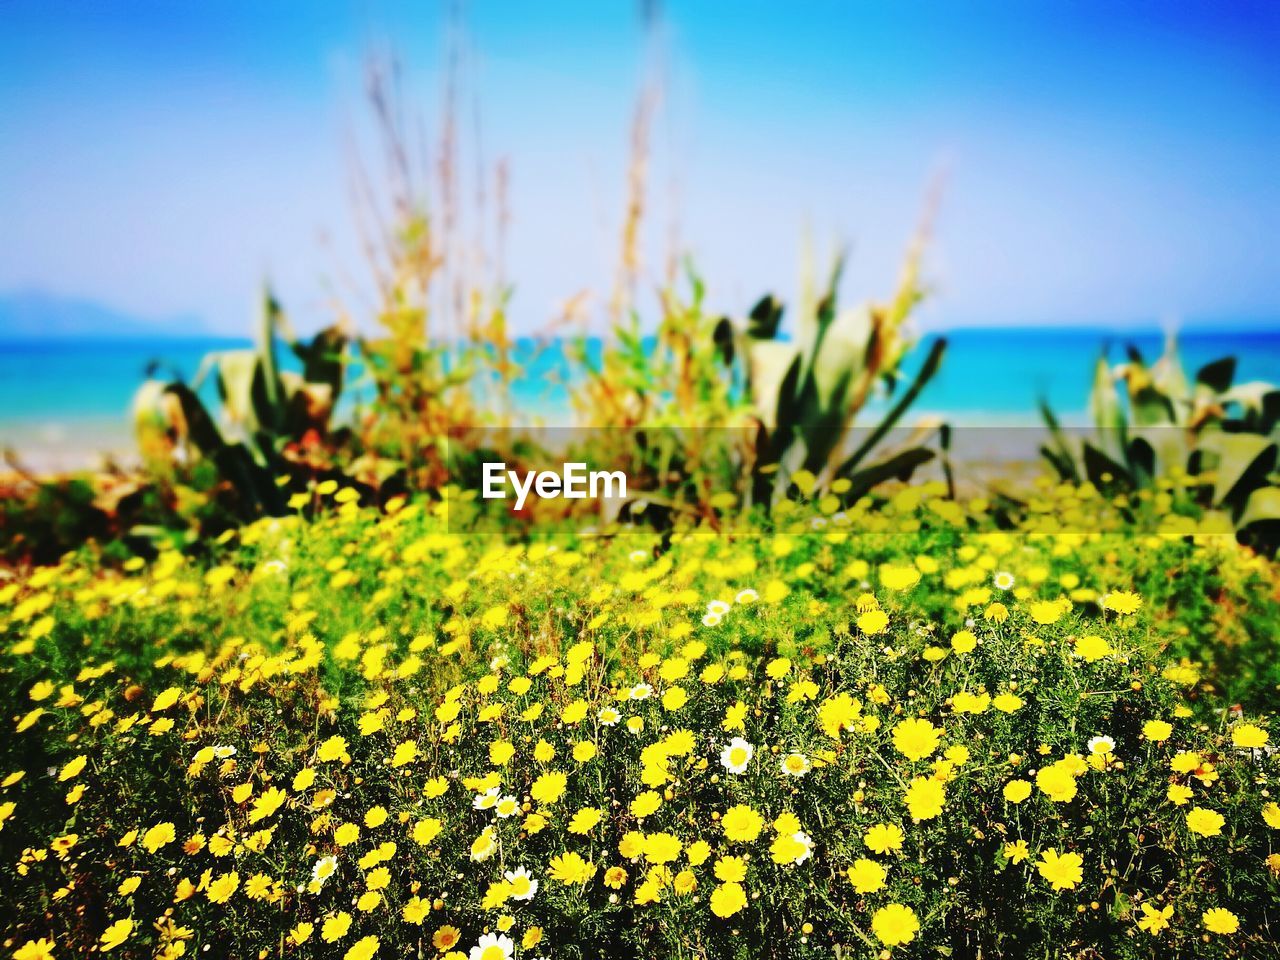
(366, 735)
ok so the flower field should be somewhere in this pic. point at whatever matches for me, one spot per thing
(835, 733)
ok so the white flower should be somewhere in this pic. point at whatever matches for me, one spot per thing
(493, 946)
(641, 691)
(609, 716)
(523, 886)
(222, 753)
(807, 842)
(718, 607)
(795, 765)
(638, 556)
(483, 846)
(1103, 745)
(711, 620)
(508, 806)
(1003, 580)
(737, 755)
(746, 596)
(324, 868)
(487, 800)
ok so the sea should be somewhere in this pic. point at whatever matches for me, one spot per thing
(65, 404)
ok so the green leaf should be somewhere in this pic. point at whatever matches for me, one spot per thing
(1097, 466)
(1217, 376)
(898, 467)
(1241, 464)
(926, 373)
(1263, 506)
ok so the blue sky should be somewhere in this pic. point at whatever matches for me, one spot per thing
(1106, 163)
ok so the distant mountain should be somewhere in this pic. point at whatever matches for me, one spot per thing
(36, 315)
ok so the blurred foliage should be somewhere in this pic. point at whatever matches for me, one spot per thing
(1214, 442)
(711, 407)
(272, 433)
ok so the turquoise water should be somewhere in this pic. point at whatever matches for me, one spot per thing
(68, 398)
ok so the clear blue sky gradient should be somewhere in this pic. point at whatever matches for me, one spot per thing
(1109, 163)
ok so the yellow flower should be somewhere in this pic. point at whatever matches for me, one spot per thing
(548, 788)
(221, 889)
(41, 949)
(1046, 612)
(899, 577)
(165, 699)
(727, 899)
(584, 820)
(1008, 703)
(645, 804)
(1057, 781)
(895, 924)
(730, 869)
(775, 591)
(661, 847)
(301, 933)
(1017, 851)
(1219, 920)
(73, 768)
(1015, 791)
(873, 622)
(1249, 736)
(1122, 602)
(1207, 823)
(483, 846)
(615, 877)
(405, 753)
(446, 938)
(1153, 920)
(741, 824)
(335, 928)
(366, 948)
(837, 714)
(115, 934)
(158, 836)
(501, 752)
(1271, 815)
(915, 738)
(335, 748)
(415, 910)
(632, 844)
(883, 837)
(569, 868)
(789, 848)
(267, 804)
(1092, 648)
(1157, 731)
(426, 830)
(964, 642)
(1063, 871)
(925, 798)
(867, 876)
